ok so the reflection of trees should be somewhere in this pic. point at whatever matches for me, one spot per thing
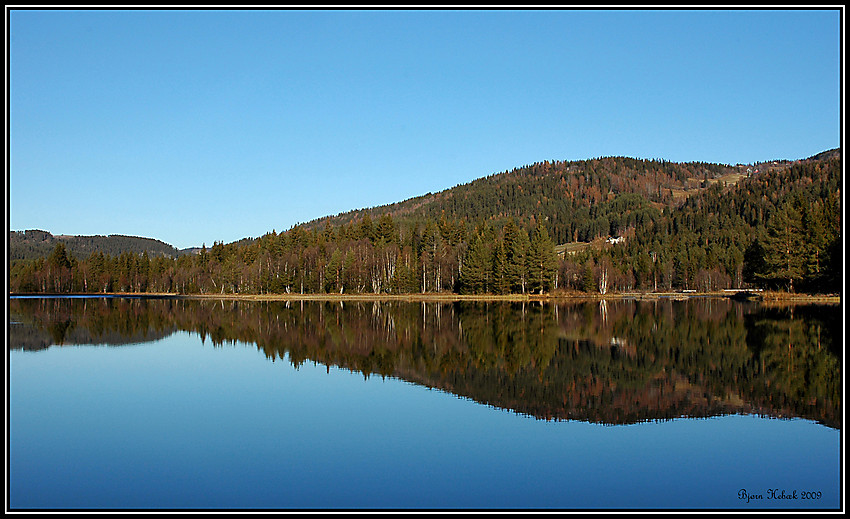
(41, 322)
(629, 361)
(797, 351)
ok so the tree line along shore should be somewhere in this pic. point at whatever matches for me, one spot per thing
(619, 230)
(763, 297)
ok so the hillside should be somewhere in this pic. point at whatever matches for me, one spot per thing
(594, 226)
(579, 200)
(32, 244)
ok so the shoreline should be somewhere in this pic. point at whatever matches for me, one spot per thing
(761, 297)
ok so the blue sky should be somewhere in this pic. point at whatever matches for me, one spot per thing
(200, 126)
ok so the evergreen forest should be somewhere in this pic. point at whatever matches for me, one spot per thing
(596, 226)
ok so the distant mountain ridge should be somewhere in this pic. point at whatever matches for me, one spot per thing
(32, 244)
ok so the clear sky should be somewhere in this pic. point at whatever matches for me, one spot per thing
(199, 126)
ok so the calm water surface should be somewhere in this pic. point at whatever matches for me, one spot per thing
(166, 403)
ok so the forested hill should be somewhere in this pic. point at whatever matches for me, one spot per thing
(573, 197)
(34, 244)
(593, 226)
(578, 200)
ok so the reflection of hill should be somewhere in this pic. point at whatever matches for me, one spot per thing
(612, 363)
(591, 399)
(31, 338)
(659, 361)
(37, 324)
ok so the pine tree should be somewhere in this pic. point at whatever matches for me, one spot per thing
(588, 283)
(365, 230)
(333, 272)
(431, 246)
(59, 269)
(816, 241)
(541, 259)
(476, 267)
(784, 246)
(386, 230)
(516, 248)
(500, 269)
(59, 257)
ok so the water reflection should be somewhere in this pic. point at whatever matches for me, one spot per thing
(616, 362)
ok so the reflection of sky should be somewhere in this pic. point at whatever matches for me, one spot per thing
(175, 423)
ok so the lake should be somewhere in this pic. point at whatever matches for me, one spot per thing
(168, 403)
